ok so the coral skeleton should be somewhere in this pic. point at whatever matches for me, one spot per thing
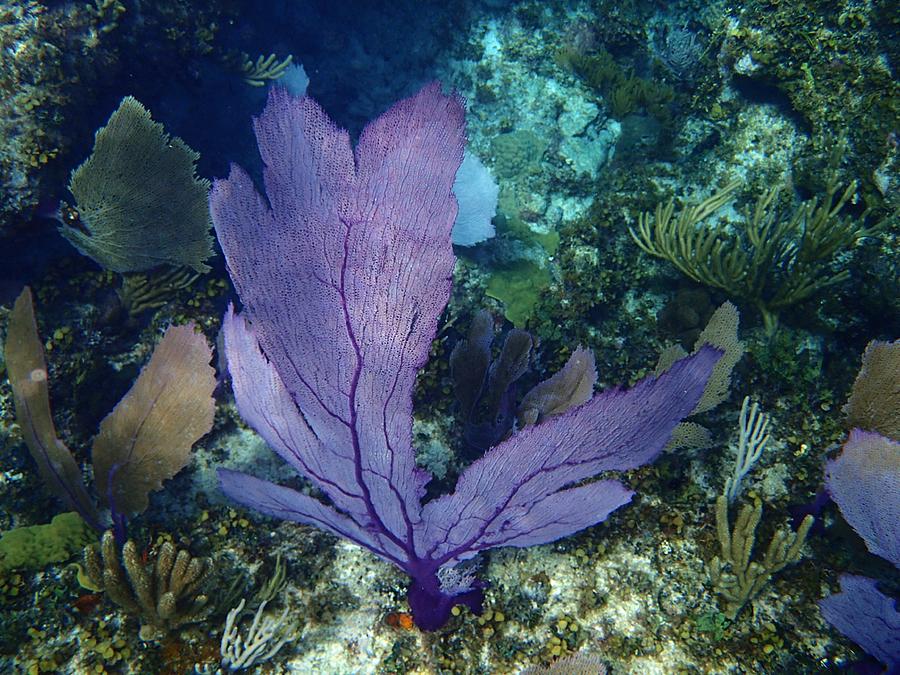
(265, 637)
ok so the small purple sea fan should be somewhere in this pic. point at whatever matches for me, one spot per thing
(864, 481)
(868, 617)
(343, 269)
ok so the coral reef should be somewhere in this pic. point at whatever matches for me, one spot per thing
(828, 62)
(165, 592)
(590, 113)
(33, 86)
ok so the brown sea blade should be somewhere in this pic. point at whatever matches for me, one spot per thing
(28, 377)
(874, 403)
(571, 386)
(148, 436)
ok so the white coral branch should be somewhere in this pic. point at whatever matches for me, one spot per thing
(264, 638)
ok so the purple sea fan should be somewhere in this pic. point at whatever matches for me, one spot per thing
(864, 481)
(868, 617)
(343, 270)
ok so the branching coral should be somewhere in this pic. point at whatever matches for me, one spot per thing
(779, 259)
(166, 593)
(263, 639)
(141, 291)
(265, 69)
(737, 578)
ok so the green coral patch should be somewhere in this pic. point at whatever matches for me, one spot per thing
(518, 287)
(517, 153)
(37, 546)
(510, 223)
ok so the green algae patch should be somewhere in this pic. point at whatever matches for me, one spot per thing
(37, 546)
(509, 221)
(513, 225)
(518, 287)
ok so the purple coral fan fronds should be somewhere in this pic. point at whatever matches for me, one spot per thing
(864, 481)
(868, 617)
(343, 269)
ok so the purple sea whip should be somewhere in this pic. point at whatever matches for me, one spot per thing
(343, 269)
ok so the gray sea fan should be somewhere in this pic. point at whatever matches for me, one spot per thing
(680, 50)
(140, 202)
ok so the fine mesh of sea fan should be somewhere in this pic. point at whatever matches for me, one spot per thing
(148, 436)
(721, 331)
(140, 203)
(874, 402)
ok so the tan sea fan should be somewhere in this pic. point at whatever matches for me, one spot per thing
(140, 203)
(148, 436)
